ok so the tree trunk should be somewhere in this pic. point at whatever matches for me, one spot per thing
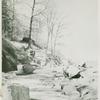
(30, 28)
(47, 42)
(19, 92)
(54, 49)
(13, 27)
(51, 43)
(56, 35)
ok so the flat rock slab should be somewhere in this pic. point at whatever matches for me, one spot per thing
(19, 92)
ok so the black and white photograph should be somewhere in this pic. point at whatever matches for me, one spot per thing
(49, 50)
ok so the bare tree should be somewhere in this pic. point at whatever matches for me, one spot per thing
(51, 22)
(58, 31)
(34, 14)
(30, 28)
(54, 26)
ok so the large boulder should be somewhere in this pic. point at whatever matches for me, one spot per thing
(28, 69)
(9, 57)
(25, 69)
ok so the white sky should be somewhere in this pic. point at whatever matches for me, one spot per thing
(82, 43)
(81, 39)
